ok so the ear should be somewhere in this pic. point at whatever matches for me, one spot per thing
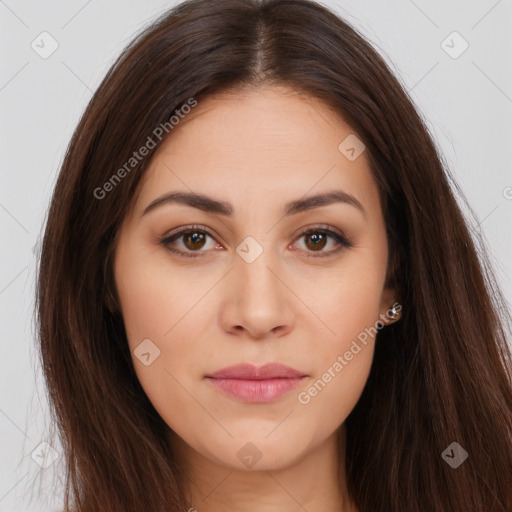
(111, 301)
(390, 308)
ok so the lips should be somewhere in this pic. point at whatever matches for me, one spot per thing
(249, 371)
(254, 384)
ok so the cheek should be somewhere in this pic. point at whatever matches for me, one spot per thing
(327, 400)
(156, 300)
(157, 312)
(349, 308)
(344, 362)
(161, 309)
(351, 299)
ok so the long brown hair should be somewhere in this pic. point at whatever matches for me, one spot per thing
(440, 375)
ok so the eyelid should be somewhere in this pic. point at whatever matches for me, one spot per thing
(185, 229)
(336, 234)
(342, 241)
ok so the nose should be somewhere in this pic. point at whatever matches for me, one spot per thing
(257, 301)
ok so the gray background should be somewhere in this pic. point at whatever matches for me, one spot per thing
(466, 101)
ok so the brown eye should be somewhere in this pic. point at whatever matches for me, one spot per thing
(317, 238)
(316, 241)
(189, 242)
(193, 240)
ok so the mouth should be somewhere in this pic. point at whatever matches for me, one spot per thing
(253, 384)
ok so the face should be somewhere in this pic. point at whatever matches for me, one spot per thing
(259, 273)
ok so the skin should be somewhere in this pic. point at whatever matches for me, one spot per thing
(257, 149)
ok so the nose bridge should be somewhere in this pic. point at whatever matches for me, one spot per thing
(255, 259)
(257, 298)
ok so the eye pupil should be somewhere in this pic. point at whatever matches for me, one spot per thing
(319, 240)
(196, 238)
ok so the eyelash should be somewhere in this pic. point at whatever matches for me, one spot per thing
(340, 239)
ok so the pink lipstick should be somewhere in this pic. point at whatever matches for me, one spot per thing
(255, 384)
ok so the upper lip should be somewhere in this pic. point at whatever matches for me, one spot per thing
(252, 372)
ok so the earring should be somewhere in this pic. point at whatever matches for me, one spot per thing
(394, 313)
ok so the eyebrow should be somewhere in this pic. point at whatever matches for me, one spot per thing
(215, 206)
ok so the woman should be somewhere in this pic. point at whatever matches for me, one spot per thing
(256, 288)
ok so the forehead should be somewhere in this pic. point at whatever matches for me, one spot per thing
(271, 122)
(267, 142)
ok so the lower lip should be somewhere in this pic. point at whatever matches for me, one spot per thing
(256, 391)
